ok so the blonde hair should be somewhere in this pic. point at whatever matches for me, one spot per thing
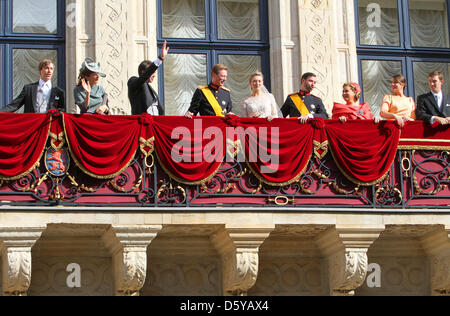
(351, 86)
(258, 73)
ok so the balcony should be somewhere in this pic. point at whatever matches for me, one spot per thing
(69, 160)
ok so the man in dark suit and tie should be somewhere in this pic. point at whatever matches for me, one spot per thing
(142, 96)
(39, 97)
(434, 106)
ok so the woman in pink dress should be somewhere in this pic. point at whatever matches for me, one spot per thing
(352, 110)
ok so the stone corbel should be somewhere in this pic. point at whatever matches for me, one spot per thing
(128, 248)
(15, 249)
(345, 249)
(239, 249)
(437, 246)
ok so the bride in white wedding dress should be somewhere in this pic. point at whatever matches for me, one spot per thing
(260, 103)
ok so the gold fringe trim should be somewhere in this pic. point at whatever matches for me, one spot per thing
(79, 165)
(359, 183)
(36, 164)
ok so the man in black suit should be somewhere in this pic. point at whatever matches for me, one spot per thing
(434, 106)
(142, 96)
(39, 97)
(303, 104)
(214, 99)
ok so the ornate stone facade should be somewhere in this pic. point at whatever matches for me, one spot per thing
(225, 251)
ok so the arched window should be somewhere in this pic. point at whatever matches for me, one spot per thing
(202, 33)
(29, 32)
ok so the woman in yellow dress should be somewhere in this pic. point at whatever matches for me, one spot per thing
(397, 106)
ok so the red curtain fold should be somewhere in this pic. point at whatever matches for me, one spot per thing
(191, 151)
(22, 142)
(102, 146)
(284, 163)
(422, 135)
(362, 150)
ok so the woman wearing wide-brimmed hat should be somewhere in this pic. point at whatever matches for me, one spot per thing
(91, 97)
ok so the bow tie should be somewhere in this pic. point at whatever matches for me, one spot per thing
(304, 94)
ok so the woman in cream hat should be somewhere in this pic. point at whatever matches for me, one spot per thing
(91, 97)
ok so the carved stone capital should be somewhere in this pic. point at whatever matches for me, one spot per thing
(437, 246)
(239, 248)
(128, 247)
(345, 249)
(15, 249)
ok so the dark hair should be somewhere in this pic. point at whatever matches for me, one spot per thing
(307, 75)
(85, 73)
(399, 78)
(44, 63)
(143, 66)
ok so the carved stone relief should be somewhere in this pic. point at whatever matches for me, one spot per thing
(50, 276)
(399, 276)
(290, 277)
(182, 276)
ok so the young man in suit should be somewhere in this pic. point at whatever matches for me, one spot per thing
(39, 97)
(142, 96)
(303, 104)
(434, 106)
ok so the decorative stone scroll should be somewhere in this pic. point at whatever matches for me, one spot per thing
(345, 249)
(15, 249)
(128, 247)
(239, 248)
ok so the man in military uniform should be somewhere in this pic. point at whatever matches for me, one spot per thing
(304, 105)
(214, 99)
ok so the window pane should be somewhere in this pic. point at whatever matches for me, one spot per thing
(30, 16)
(421, 72)
(240, 68)
(183, 19)
(429, 23)
(183, 73)
(238, 19)
(25, 67)
(378, 23)
(377, 77)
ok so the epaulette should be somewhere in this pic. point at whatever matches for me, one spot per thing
(202, 87)
(226, 89)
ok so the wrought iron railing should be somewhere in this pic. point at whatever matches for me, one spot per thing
(418, 179)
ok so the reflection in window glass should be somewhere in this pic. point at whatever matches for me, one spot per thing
(30, 16)
(378, 23)
(421, 72)
(183, 19)
(238, 19)
(240, 68)
(377, 77)
(183, 73)
(26, 67)
(429, 23)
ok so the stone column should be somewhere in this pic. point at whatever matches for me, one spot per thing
(327, 45)
(437, 246)
(128, 247)
(15, 249)
(119, 34)
(345, 250)
(239, 247)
